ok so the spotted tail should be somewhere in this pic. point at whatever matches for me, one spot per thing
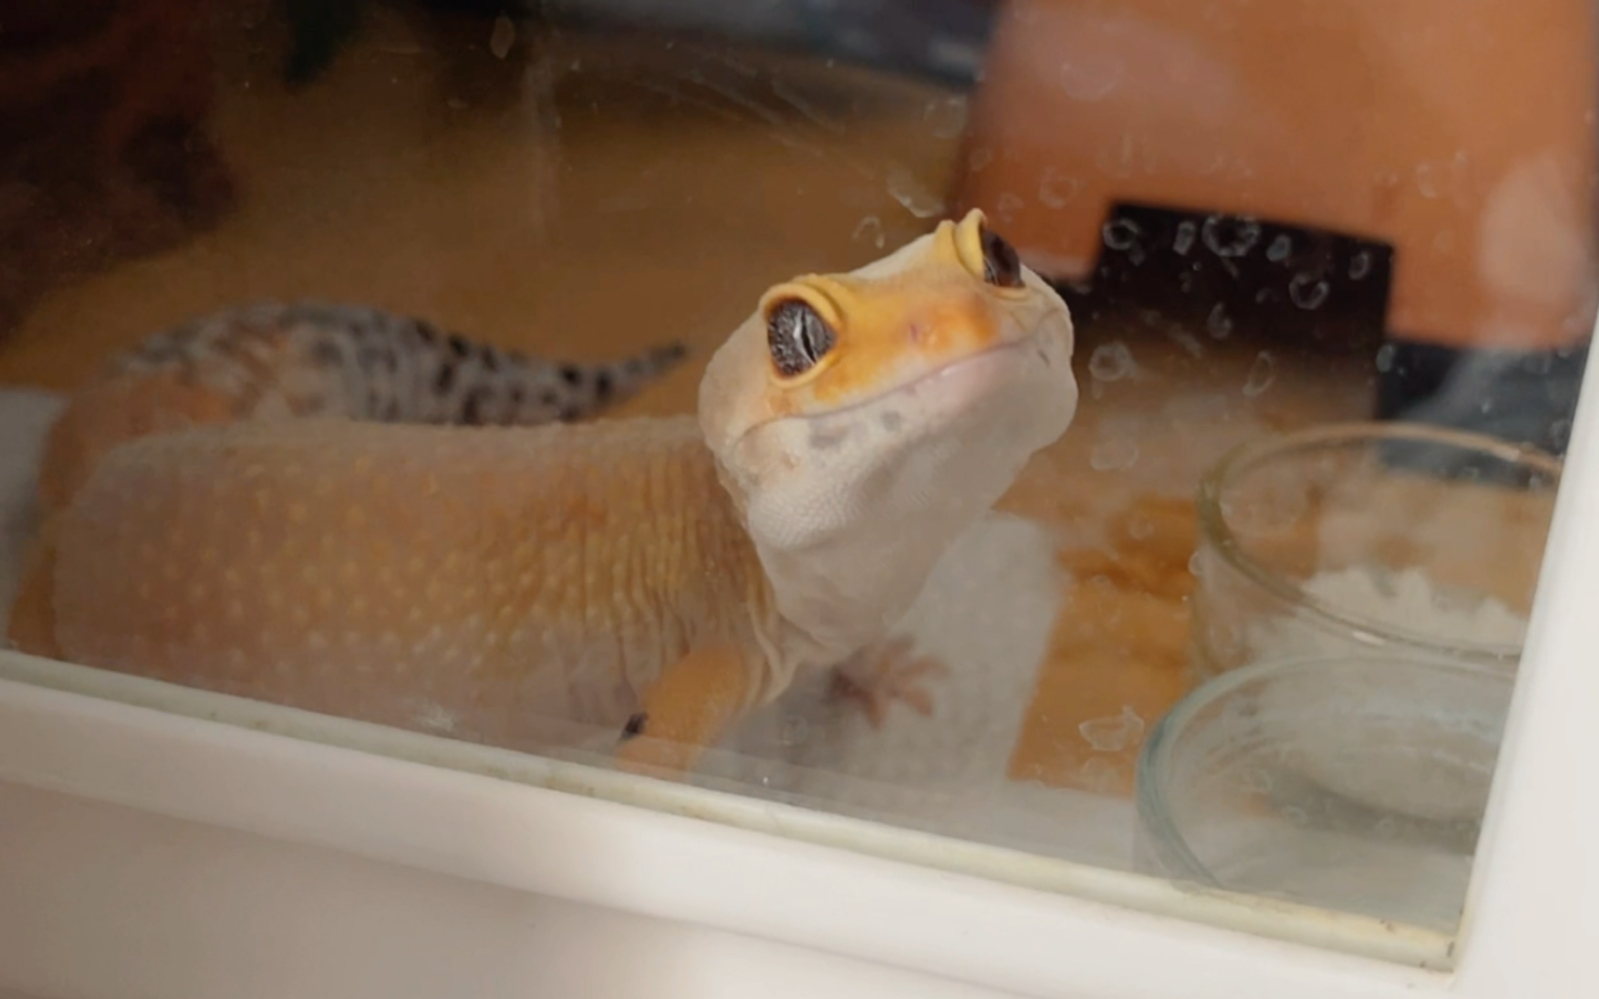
(315, 359)
(310, 359)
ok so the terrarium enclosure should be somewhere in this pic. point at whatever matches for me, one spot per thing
(1330, 270)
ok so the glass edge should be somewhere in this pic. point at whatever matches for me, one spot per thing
(1258, 916)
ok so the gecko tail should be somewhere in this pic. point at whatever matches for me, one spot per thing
(319, 359)
(610, 383)
(508, 388)
(310, 358)
(371, 365)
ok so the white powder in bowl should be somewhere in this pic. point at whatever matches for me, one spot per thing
(1404, 740)
(1408, 602)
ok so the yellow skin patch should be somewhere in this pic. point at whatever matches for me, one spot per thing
(657, 578)
(894, 328)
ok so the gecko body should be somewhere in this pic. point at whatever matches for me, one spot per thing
(656, 577)
(313, 359)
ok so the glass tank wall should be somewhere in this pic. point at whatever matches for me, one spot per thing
(1250, 621)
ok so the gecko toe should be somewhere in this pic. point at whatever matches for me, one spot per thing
(635, 726)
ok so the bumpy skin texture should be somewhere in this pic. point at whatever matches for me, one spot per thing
(410, 575)
(310, 359)
(656, 578)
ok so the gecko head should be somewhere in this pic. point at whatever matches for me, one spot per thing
(862, 420)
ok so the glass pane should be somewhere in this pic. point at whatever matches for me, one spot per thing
(1155, 479)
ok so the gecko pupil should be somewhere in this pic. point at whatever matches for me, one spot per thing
(1001, 266)
(797, 337)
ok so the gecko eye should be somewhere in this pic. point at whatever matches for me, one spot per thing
(1001, 266)
(797, 337)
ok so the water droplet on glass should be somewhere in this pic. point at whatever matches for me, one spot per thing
(916, 197)
(1298, 816)
(1056, 191)
(1098, 774)
(1427, 180)
(502, 37)
(1111, 362)
(1219, 324)
(1385, 357)
(1140, 528)
(1195, 565)
(1091, 76)
(1230, 237)
(1279, 249)
(1115, 733)
(1308, 291)
(946, 117)
(1120, 234)
(869, 228)
(1117, 160)
(1006, 207)
(1360, 265)
(1113, 455)
(1261, 374)
(981, 157)
(795, 730)
(1184, 240)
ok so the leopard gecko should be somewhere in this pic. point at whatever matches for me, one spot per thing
(659, 578)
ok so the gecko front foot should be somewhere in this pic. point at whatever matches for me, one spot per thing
(881, 674)
(648, 756)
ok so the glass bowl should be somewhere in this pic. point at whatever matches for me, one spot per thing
(1355, 783)
(1360, 537)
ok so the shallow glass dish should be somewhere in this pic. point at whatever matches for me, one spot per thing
(1351, 538)
(1356, 784)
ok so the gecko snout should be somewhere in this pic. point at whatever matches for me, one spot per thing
(953, 327)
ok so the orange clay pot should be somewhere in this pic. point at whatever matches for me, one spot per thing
(1459, 131)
